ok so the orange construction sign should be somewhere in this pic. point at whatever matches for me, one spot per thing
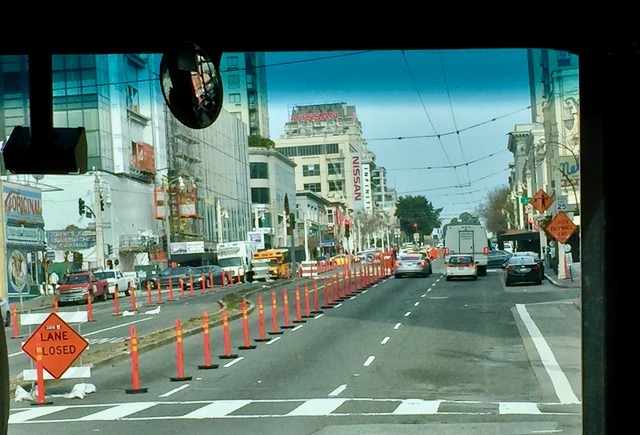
(561, 227)
(541, 201)
(61, 345)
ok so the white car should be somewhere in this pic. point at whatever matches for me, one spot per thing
(461, 266)
(5, 311)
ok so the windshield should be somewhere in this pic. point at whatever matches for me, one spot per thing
(228, 262)
(76, 278)
(324, 155)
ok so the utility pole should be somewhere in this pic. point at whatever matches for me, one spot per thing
(306, 238)
(219, 216)
(99, 227)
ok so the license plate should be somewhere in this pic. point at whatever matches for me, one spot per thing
(524, 270)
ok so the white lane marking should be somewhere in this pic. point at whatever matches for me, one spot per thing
(297, 327)
(369, 360)
(273, 340)
(558, 379)
(407, 314)
(219, 408)
(119, 411)
(416, 304)
(418, 406)
(175, 390)
(338, 390)
(397, 325)
(385, 340)
(232, 362)
(317, 407)
(518, 408)
(23, 416)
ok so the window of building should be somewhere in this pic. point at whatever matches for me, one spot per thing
(234, 98)
(259, 170)
(133, 99)
(310, 170)
(232, 62)
(249, 79)
(260, 195)
(233, 81)
(334, 168)
(336, 186)
(310, 150)
(314, 187)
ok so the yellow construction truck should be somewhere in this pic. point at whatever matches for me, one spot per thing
(278, 261)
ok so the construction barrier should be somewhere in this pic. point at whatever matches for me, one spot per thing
(309, 268)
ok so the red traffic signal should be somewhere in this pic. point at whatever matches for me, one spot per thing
(415, 225)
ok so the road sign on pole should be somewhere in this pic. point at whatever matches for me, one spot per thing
(561, 227)
(541, 201)
(61, 345)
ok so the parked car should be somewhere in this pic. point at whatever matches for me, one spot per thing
(537, 257)
(80, 287)
(522, 269)
(214, 270)
(5, 312)
(497, 258)
(411, 264)
(461, 266)
(172, 275)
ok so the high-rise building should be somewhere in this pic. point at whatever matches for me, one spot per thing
(173, 183)
(244, 81)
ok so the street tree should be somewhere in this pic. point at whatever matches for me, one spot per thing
(498, 210)
(256, 141)
(417, 214)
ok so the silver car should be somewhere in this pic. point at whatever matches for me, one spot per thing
(411, 264)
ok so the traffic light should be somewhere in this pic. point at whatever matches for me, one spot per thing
(101, 203)
(110, 249)
(346, 229)
(82, 208)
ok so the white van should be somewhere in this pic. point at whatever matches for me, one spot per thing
(468, 239)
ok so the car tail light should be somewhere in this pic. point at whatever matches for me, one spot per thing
(447, 251)
(485, 250)
(509, 268)
(421, 263)
(398, 263)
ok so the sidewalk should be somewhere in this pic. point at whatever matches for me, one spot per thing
(575, 280)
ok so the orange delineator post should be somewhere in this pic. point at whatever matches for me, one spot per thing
(14, 317)
(89, 308)
(40, 376)
(181, 282)
(261, 336)
(159, 293)
(116, 308)
(190, 285)
(55, 304)
(225, 336)
(274, 314)
(134, 307)
(285, 307)
(203, 284)
(135, 375)
(179, 354)
(245, 327)
(211, 281)
(298, 308)
(206, 344)
(149, 301)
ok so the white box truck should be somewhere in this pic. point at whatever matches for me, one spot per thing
(468, 239)
(236, 258)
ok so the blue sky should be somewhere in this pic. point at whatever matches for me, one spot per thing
(423, 97)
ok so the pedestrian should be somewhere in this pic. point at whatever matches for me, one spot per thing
(53, 280)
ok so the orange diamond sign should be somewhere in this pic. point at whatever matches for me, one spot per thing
(60, 345)
(541, 201)
(561, 227)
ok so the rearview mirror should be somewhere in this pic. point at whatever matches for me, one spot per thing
(191, 84)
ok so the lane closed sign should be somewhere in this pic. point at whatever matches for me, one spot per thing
(60, 345)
